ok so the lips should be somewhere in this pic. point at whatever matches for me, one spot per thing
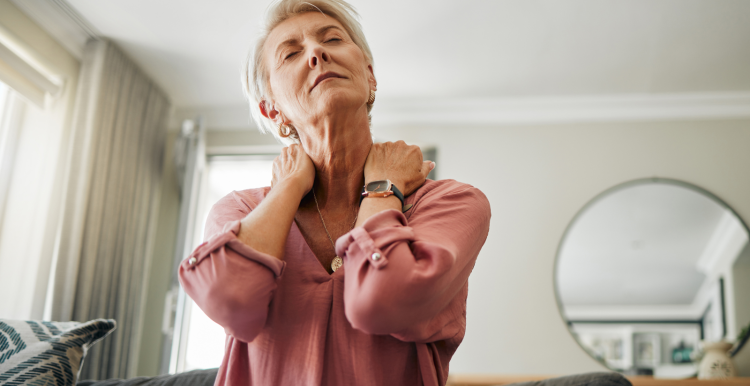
(324, 76)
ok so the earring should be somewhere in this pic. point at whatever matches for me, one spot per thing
(371, 99)
(284, 133)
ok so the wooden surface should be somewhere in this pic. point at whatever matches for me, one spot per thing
(500, 380)
(649, 381)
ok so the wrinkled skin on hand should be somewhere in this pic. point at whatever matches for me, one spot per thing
(294, 165)
(398, 162)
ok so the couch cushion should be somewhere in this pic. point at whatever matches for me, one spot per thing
(46, 353)
(189, 378)
(588, 379)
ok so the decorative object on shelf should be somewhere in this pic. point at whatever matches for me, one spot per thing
(741, 340)
(647, 350)
(716, 363)
(681, 353)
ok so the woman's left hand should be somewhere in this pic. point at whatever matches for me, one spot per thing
(398, 162)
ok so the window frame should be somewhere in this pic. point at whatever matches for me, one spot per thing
(180, 302)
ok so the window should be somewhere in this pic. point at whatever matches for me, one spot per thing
(5, 146)
(3, 98)
(36, 103)
(205, 339)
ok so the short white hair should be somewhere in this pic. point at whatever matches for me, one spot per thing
(254, 73)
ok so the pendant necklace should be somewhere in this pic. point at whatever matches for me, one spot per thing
(337, 261)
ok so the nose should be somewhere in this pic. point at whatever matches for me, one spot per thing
(317, 55)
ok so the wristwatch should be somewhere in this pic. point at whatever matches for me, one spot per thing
(381, 188)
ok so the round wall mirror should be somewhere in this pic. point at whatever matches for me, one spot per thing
(648, 270)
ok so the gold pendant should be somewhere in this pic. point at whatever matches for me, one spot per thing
(336, 263)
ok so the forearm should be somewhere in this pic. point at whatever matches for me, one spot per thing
(265, 229)
(216, 275)
(218, 283)
(373, 205)
(406, 271)
(409, 291)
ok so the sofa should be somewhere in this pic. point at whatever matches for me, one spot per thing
(207, 377)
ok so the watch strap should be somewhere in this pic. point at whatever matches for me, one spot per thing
(398, 194)
(394, 189)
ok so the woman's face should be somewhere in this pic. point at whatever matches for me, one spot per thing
(315, 70)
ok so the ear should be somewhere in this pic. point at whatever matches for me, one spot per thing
(371, 78)
(268, 110)
(262, 107)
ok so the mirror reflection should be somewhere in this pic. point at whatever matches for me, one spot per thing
(648, 270)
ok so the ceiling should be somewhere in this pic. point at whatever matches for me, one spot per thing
(447, 49)
(639, 245)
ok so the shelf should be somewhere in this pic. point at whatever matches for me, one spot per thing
(500, 380)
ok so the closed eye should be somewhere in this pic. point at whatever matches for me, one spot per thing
(290, 55)
(333, 40)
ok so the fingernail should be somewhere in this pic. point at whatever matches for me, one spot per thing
(432, 165)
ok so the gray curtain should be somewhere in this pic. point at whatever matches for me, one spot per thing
(111, 203)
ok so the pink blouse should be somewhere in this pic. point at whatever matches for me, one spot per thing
(396, 320)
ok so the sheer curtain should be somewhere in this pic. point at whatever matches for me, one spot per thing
(110, 206)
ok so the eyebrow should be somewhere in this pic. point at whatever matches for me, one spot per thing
(294, 40)
(324, 29)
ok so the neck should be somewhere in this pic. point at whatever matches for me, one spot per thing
(338, 147)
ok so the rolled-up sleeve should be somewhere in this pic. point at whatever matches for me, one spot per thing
(231, 282)
(408, 278)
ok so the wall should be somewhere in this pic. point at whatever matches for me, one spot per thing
(537, 178)
(249, 137)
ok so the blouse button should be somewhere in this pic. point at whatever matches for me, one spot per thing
(192, 260)
(376, 256)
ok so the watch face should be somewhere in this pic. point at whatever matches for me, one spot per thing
(378, 186)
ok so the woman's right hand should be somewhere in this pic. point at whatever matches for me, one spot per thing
(294, 166)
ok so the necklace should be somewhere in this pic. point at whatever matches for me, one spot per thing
(337, 261)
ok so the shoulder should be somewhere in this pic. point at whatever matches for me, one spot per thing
(449, 191)
(247, 199)
(448, 198)
(232, 207)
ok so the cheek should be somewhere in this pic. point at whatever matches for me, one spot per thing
(279, 84)
(360, 63)
(284, 85)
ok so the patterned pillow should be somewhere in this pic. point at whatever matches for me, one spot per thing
(46, 353)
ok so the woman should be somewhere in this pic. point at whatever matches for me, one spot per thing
(270, 272)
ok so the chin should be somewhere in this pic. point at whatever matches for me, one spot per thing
(336, 99)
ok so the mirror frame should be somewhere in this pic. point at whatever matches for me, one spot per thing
(669, 181)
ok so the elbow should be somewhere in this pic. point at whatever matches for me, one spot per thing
(242, 314)
(242, 317)
(375, 318)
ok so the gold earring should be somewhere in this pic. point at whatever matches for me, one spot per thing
(371, 99)
(284, 133)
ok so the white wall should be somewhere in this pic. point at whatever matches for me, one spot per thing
(537, 178)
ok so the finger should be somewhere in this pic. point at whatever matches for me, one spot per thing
(427, 167)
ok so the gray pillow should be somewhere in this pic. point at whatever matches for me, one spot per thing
(46, 353)
(190, 378)
(588, 379)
